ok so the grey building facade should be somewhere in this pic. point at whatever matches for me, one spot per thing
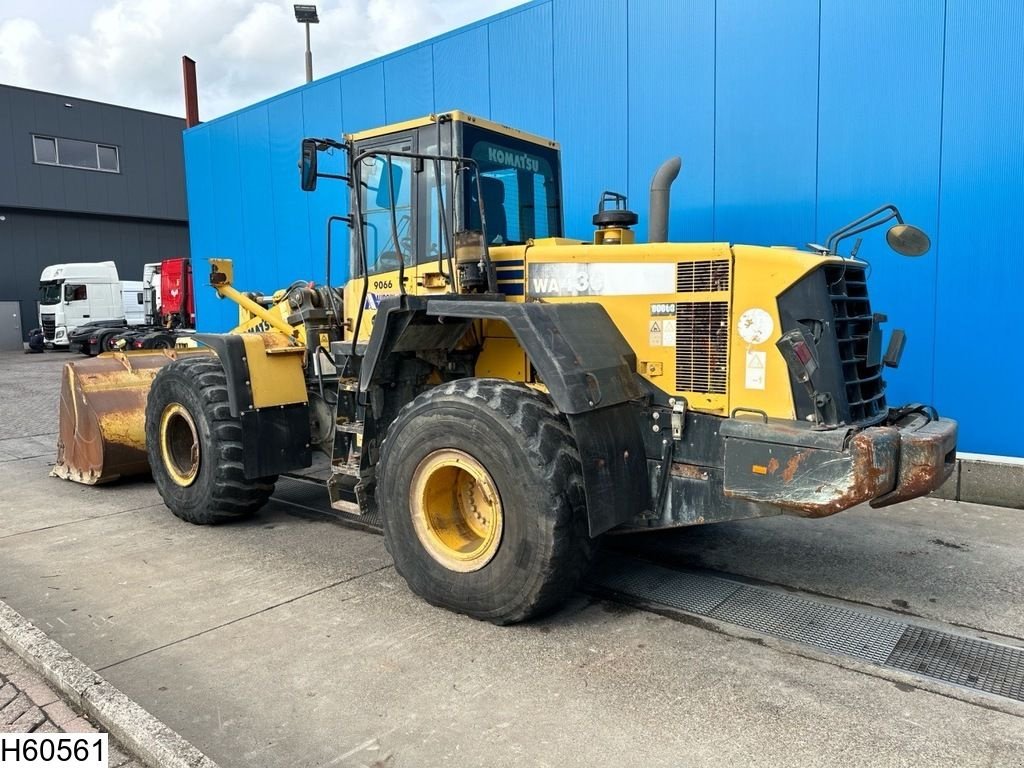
(82, 181)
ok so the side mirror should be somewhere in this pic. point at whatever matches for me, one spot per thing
(908, 240)
(307, 165)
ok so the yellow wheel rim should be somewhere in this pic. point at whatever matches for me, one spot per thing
(179, 444)
(456, 510)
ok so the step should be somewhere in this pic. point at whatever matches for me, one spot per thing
(349, 469)
(349, 507)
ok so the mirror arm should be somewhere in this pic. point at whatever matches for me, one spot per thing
(863, 228)
(850, 229)
(323, 144)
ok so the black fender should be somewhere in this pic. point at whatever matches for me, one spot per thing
(230, 349)
(275, 440)
(587, 366)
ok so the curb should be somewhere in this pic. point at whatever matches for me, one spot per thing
(141, 734)
(994, 480)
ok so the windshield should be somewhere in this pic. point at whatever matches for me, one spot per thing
(49, 292)
(520, 186)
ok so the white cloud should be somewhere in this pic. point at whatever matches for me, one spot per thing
(129, 51)
(25, 54)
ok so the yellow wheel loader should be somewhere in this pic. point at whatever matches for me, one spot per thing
(500, 395)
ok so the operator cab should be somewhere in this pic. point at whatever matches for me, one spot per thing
(514, 176)
(520, 184)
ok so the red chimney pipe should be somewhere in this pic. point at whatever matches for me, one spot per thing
(188, 73)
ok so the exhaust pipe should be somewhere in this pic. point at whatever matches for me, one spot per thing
(657, 227)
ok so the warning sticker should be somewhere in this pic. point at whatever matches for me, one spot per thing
(755, 369)
(654, 331)
(668, 333)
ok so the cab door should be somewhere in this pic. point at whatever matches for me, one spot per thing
(388, 229)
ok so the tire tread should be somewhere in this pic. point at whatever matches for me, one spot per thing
(547, 442)
(229, 494)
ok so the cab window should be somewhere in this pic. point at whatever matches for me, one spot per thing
(435, 227)
(75, 292)
(519, 185)
(49, 293)
(379, 235)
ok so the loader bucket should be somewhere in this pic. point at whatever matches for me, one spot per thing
(102, 433)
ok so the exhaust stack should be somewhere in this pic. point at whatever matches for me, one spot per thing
(188, 75)
(657, 228)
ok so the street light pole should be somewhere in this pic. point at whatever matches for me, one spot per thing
(309, 58)
(306, 14)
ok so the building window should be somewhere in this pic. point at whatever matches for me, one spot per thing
(107, 157)
(46, 150)
(72, 153)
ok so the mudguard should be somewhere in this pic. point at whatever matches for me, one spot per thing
(275, 426)
(588, 369)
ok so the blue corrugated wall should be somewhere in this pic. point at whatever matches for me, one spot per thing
(792, 118)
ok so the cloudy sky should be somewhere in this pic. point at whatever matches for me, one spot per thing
(129, 51)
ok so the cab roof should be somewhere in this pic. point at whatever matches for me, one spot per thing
(455, 116)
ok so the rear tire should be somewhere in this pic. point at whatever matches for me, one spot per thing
(503, 452)
(102, 343)
(194, 445)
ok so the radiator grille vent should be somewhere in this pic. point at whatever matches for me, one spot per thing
(865, 389)
(702, 276)
(49, 326)
(702, 346)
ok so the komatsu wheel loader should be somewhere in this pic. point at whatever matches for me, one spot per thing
(500, 395)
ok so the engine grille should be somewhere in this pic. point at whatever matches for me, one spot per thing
(49, 326)
(702, 276)
(702, 346)
(848, 292)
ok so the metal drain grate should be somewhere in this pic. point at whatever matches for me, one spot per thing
(312, 495)
(689, 592)
(969, 662)
(961, 660)
(822, 625)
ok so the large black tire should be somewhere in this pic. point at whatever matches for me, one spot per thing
(102, 343)
(527, 448)
(194, 389)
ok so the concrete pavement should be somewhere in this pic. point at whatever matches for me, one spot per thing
(287, 641)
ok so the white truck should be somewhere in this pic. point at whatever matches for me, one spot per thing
(135, 301)
(72, 295)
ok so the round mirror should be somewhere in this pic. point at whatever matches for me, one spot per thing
(908, 240)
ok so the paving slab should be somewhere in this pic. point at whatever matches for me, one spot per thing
(116, 585)
(29, 392)
(33, 446)
(32, 500)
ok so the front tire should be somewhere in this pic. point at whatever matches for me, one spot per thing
(481, 494)
(194, 445)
